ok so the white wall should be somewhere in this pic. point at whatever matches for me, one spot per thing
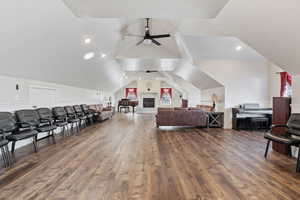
(244, 82)
(274, 81)
(206, 97)
(194, 98)
(296, 94)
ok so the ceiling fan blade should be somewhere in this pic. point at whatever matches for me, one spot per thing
(151, 71)
(155, 42)
(161, 36)
(140, 42)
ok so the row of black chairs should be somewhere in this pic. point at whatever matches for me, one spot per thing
(25, 124)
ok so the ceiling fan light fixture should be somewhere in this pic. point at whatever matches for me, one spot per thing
(103, 55)
(89, 55)
(147, 41)
(87, 40)
(239, 48)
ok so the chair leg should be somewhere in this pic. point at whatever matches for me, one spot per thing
(9, 157)
(267, 148)
(13, 145)
(35, 143)
(67, 129)
(53, 137)
(80, 125)
(298, 161)
(4, 157)
(63, 131)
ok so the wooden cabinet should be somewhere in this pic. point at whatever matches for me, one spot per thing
(281, 114)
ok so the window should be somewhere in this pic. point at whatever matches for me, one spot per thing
(286, 84)
(131, 93)
(166, 96)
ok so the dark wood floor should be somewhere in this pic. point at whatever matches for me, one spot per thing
(128, 158)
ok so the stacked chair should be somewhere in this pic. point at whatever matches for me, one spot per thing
(61, 119)
(30, 119)
(7, 125)
(28, 123)
(80, 114)
(73, 119)
(88, 113)
(13, 131)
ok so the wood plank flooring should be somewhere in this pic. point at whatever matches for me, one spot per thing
(128, 158)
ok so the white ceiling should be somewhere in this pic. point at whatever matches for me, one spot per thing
(43, 40)
(140, 64)
(219, 48)
(271, 27)
(142, 9)
(196, 76)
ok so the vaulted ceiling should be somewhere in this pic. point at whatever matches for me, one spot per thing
(142, 9)
(44, 40)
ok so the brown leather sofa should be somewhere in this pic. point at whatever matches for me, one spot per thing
(104, 113)
(181, 117)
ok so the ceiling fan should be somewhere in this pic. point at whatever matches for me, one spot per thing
(151, 38)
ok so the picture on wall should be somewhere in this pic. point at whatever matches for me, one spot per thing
(166, 96)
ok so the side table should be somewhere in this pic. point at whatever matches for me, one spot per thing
(215, 119)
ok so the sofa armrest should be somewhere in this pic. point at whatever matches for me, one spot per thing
(106, 109)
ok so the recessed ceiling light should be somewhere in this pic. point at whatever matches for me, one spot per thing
(126, 77)
(103, 55)
(87, 40)
(88, 55)
(239, 48)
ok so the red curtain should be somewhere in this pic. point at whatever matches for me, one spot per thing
(286, 82)
(131, 93)
(165, 91)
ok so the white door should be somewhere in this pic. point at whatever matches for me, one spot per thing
(42, 97)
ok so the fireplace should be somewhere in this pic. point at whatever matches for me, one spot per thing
(149, 102)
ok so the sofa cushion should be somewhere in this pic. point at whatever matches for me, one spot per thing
(165, 109)
(206, 108)
(194, 108)
(179, 108)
